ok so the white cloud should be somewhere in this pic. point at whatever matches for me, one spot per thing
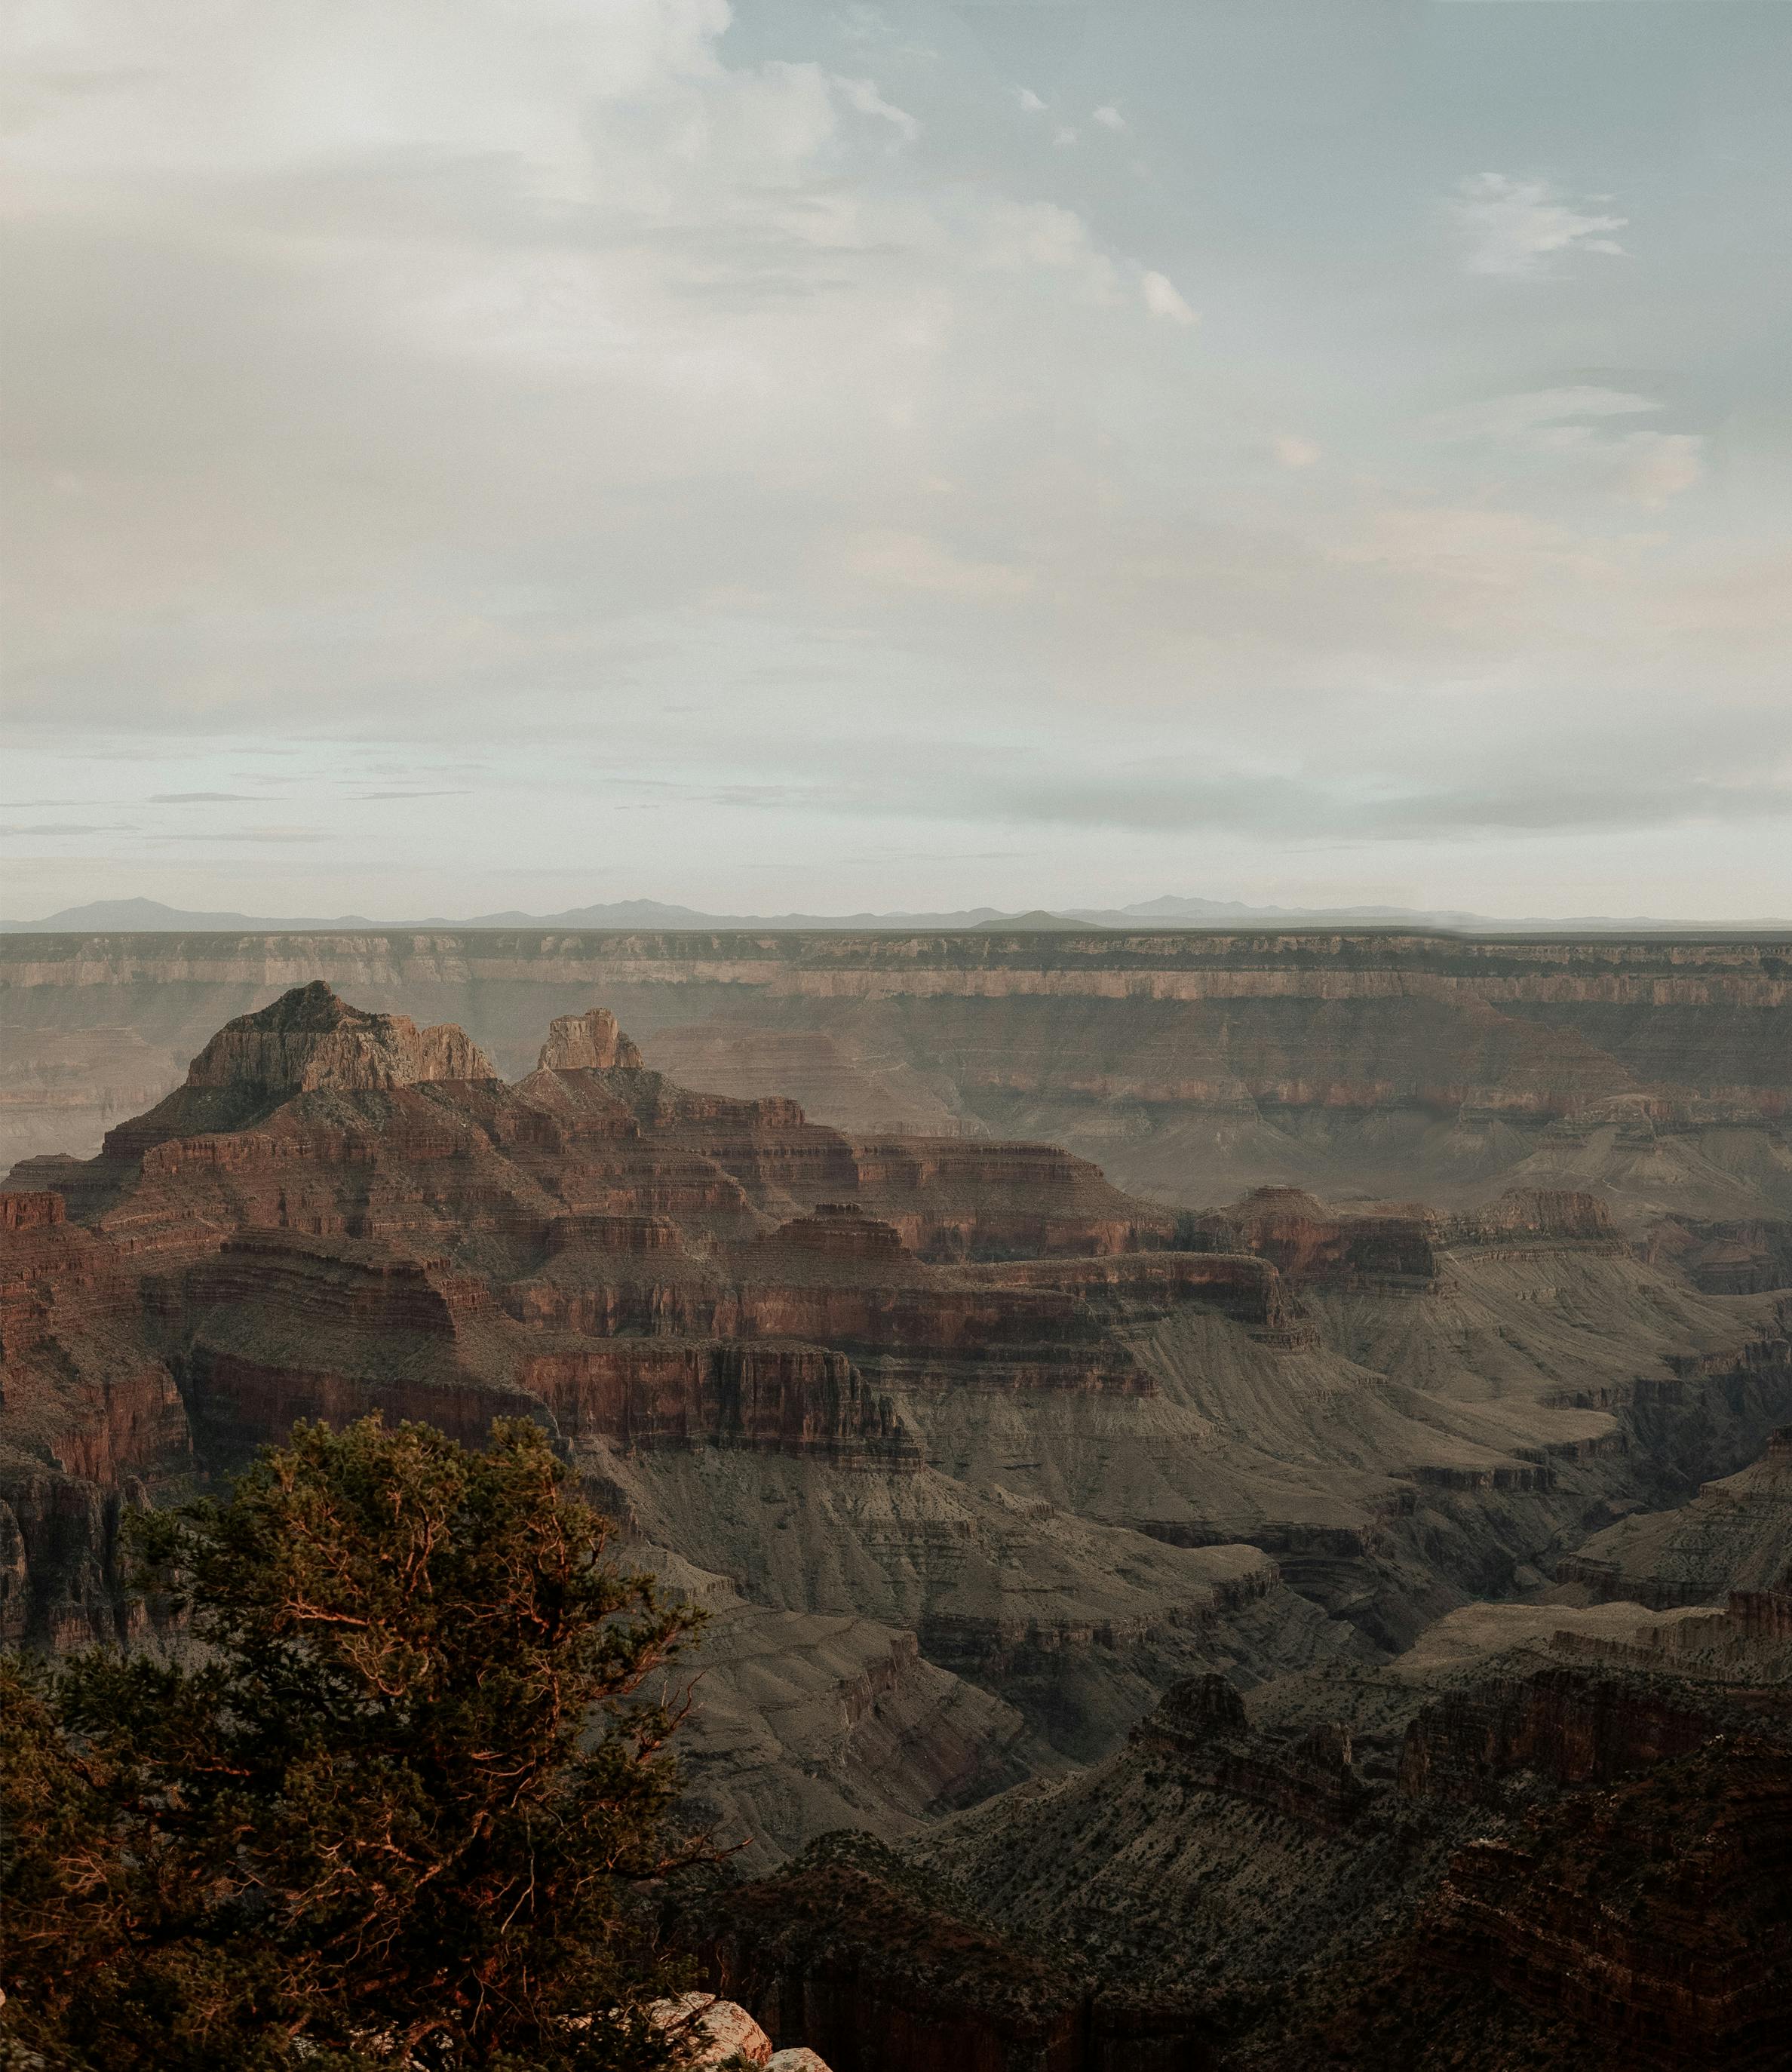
(1163, 299)
(862, 96)
(1534, 411)
(1573, 427)
(1110, 118)
(1515, 227)
(533, 374)
(1029, 100)
(1040, 233)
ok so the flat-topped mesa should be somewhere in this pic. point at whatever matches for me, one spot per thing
(842, 1230)
(1542, 1212)
(1395, 1244)
(309, 1040)
(587, 1043)
(1307, 1241)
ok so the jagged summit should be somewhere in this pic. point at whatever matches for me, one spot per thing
(310, 1010)
(588, 1042)
(310, 1039)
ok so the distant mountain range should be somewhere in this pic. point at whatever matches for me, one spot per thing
(149, 916)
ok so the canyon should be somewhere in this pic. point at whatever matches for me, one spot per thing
(1190, 1064)
(1213, 1577)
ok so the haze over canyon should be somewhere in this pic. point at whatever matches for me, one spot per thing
(1210, 1458)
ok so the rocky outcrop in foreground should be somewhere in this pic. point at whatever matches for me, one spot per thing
(708, 2032)
(1583, 1835)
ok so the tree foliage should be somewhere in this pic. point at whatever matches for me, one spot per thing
(389, 1807)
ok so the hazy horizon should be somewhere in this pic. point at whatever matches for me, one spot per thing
(795, 457)
(1167, 912)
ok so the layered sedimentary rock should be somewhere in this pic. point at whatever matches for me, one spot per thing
(1076, 1445)
(91, 1423)
(720, 1310)
(1735, 1534)
(1649, 1070)
(1555, 1843)
(1738, 1257)
(1381, 1245)
(806, 1722)
(309, 1039)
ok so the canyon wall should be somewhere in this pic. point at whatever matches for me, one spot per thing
(1002, 1479)
(1528, 1846)
(1652, 1071)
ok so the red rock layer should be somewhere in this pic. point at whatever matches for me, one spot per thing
(1562, 1723)
(1653, 1914)
(89, 1419)
(340, 1212)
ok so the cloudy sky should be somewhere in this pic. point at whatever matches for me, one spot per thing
(517, 453)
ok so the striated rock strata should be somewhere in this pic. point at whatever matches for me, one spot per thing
(1651, 1070)
(724, 1313)
(1736, 1534)
(1078, 1447)
(1540, 1849)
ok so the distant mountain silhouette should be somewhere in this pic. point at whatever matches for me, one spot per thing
(1038, 922)
(149, 916)
(141, 916)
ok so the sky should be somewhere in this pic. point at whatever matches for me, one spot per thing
(522, 453)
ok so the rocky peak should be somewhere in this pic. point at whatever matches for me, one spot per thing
(310, 1039)
(588, 1042)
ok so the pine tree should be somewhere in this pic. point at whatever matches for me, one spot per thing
(389, 1807)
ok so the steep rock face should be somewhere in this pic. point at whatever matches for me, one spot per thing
(587, 1043)
(650, 1267)
(637, 1257)
(1740, 1257)
(1652, 1915)
(1306, 1243)
(90, 1421)
(1203, 1723)
(1736, 1534)
(965, 1388)
(1396, 1244)
(1563, 1725)
(1567, 1854)
(795, 1398)
(701, 1298)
